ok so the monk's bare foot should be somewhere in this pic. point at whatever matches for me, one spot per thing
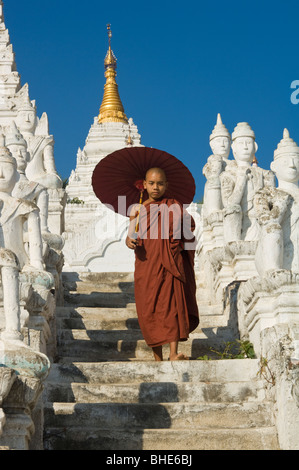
(179, 357)
(158, 354)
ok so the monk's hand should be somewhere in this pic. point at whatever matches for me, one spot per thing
(131, 243)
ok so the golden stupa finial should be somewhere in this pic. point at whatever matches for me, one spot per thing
(109, 33)
(111, 109)
(110, 59)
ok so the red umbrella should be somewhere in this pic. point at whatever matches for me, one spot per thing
(121, 174)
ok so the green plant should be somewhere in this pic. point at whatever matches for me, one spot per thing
(204, 358)
(75, 200)
(265, 371)
(239, 349)
(246, 349)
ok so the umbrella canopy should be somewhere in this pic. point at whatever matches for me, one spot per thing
(121, 173)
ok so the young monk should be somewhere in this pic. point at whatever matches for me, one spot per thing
(164, 271)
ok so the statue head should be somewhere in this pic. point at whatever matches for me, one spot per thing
(220, 139)
(213, 167)
(286, 160)
(17, 145)
(244, 146)
(26, 117)
(8, 169)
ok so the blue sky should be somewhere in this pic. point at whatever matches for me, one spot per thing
(179, 64)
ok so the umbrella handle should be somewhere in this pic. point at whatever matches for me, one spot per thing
(140, 203)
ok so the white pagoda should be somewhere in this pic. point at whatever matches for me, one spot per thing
(94, 235)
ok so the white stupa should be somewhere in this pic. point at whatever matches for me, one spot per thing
(94, 235)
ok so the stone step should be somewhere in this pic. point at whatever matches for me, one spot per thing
(96, 318)
(108, 287)
(74, 438)
(106, 392)
(108, 351)
(103, 286)
(96, 289)
(93, 322)
(124, 317)
(103, 312)
(99, 299)
(116, 318)
(127, 349)
(95, 278)
(105, 282)
(119, 344)
(214, 335)
(159, 415)
(154, 392)
(216, 371)
(99, 336)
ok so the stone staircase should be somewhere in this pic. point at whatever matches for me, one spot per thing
(105, 392)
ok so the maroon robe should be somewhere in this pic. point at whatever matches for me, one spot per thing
(164, 276)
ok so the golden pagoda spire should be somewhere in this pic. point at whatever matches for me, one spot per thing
(111, 109)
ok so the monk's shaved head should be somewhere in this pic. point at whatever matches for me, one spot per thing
(155, 183)
(156, 170)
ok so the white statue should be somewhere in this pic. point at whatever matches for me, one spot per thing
(239, 184)
(25, 189)
(220, 143)
(220, 140)
(41, 167)
(13, 256)
(278, 212)
(38, 194)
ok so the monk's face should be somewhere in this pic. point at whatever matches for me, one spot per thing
(155, 183)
